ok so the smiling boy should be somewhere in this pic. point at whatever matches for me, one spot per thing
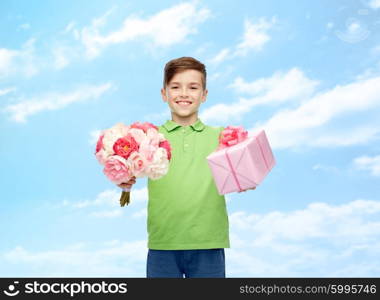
(187, 224)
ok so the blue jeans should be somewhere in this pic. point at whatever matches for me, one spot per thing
(189, 263)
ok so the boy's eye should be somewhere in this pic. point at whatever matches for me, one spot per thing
(193, 88)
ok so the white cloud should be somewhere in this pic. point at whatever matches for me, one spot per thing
(7, 91)
(355, 31)
(370, 72)
(65, 50)
(368, 163)
(6, 57)
(62, 56)
(343, 137)
(69, 27)
(94, 136)
(298, 127)
(142, 213)
(24, 26)
(306, 121)
(139, 194)
(320, 240)
(107, 205)
(23, 61)
(166, 28)
(221, 56)
(254, 38)
(375, 51)
(317, 219)
(201, 49)
(54, 101)
(107, 213)
(374, 4)
(109, 199)
(255, 35)
(158, 117)
(163, 29)
(331, 169)
(113, 258)
(281, 87)
(222, 112)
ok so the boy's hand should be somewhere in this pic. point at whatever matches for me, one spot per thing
(247, 189)
(125, 196)
(128, 184)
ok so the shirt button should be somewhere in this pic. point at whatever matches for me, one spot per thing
(186, 145)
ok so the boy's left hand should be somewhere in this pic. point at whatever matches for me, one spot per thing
(247, 189)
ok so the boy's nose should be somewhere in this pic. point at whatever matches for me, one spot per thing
(184, 92)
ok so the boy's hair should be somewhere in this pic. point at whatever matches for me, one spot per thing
(181, 64)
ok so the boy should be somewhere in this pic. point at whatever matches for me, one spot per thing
(187, 218)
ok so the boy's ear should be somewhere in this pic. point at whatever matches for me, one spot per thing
(163, 95)
(205, 92)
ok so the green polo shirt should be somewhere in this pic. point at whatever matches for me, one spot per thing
(185, 210)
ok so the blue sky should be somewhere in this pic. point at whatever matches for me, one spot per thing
(308, 72)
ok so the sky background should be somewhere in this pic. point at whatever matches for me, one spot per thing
(308, 72)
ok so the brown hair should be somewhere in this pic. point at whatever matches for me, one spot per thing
(181, 64)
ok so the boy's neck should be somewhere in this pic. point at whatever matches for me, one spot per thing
(186, 121)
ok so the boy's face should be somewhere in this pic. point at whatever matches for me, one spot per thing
(184, 94)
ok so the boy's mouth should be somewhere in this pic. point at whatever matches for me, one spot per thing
(183, 103)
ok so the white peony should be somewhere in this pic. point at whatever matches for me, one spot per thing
(161, 137)
(138, 134)
(153, 136)
(159, 165)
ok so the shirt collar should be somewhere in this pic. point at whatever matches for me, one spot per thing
(171, 125)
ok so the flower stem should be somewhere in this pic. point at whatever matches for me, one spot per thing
(125, 197)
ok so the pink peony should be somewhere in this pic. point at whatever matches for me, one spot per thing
(165, 144)
(153, 137)
(138, 164)
(125, 146)
(232, 135)
(149, 144)
(101, 156)
(147, 150)
(99, 144)
(144, 126)
(117, 169)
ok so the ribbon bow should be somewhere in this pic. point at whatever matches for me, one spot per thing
(232, 135)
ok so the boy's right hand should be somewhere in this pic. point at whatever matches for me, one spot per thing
(128, 184)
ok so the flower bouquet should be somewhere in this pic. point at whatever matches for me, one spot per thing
(137, 150)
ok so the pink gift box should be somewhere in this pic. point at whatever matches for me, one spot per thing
(243, 165)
